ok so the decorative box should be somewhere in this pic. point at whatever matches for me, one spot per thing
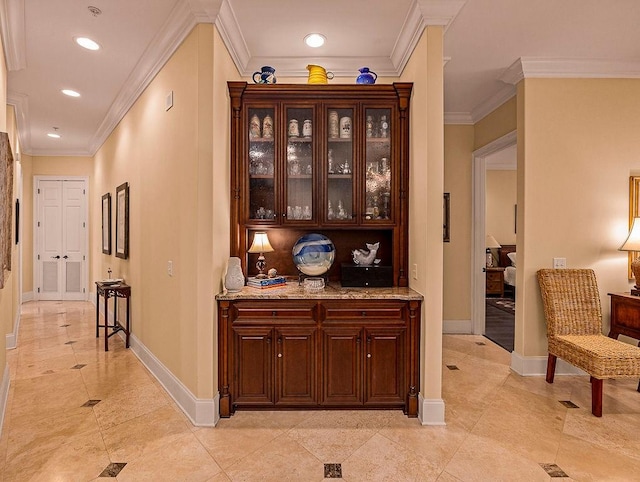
(376, 276)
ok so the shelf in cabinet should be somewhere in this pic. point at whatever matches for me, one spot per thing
(299, 176)
(300, 139)
(261, 176)
(384, 140)
(340, 139)
(269, 140)
(340, 176)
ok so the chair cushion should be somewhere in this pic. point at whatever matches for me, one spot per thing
(598, 355)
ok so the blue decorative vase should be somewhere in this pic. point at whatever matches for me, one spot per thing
(313, 254)
(366, 76)
(266, 76)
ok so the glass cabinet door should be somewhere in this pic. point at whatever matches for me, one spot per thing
(262, 194)
(299, 165)
(339, 166)
(378, 168)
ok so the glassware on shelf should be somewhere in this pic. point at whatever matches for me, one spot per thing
(254, 127)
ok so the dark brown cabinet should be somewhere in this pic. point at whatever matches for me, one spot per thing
(321, 158)
(495, 281)
(318, 354)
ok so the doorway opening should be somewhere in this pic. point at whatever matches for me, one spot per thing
(488, 283)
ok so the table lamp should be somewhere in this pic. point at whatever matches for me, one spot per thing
(490, 243)
(261, 245)
(632, 243)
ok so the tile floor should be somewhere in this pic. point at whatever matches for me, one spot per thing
(76, 413)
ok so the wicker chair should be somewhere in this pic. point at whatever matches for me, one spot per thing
(574, 331)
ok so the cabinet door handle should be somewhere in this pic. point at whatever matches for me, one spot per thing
(358, 340)
(368, 355)
(364, 313)
(274, 313)
(279, 355)
(268, 340)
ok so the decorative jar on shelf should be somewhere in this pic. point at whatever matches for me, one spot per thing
(234, 279)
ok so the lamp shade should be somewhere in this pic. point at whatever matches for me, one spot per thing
(260, 244)
(632, 242)
(491, 242)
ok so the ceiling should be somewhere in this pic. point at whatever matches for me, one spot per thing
(489, 45)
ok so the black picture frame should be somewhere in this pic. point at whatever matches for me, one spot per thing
(122, 221)
(106, 223)
(17, 221)
(446, 218)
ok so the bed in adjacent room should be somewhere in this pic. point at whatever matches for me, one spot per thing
(507, 260)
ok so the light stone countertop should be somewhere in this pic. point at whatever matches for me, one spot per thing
(293, 291)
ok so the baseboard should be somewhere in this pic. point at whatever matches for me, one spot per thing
(27, 296)
(4, 394)
(535, 366)
(430, 412)
(12, 338)
(201, 412)
(457, 327)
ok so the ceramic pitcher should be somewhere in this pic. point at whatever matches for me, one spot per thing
(318, 74)
(266, 76)
(366, 76)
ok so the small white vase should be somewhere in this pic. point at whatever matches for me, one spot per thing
(234, 279)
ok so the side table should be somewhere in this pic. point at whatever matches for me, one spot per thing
(115, 291)
(495, 281)
(625, 315)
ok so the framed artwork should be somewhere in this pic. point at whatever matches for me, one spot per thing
(446, 217)
(122, 221)
(634, 212)
(106, 223)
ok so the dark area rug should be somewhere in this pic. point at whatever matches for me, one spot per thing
(504, 304)
(499, 324)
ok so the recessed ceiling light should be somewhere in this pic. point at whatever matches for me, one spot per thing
(315, 40)
(70, 93)
(87, 43)
(54, 135)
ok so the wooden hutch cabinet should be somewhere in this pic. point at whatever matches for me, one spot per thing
(333, 160)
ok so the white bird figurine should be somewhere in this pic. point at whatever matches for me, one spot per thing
(366, 258)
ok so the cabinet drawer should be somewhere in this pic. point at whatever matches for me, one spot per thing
(261, 311)
(364, 311)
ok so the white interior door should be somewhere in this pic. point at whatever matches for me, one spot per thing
(61, 240)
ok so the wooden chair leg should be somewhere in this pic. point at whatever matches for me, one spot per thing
(551, 367)
(596, 396)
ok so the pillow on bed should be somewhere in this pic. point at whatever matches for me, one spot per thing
(512, 258)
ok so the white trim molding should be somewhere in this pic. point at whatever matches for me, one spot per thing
(14, 38)
(541, 68)
(4, 394)
(535, 366)
(202, 412)
(430, 411)
(12, 338)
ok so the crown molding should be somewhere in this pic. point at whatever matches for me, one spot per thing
(20, 103)
(440, 12)
(180, 22)
(458, 118)
(13, 33)
(533, 67)
(229, 29)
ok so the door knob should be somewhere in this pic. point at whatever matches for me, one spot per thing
(55, 257)
(66, 257)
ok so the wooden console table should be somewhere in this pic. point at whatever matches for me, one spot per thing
(115, 291)
(625, 315)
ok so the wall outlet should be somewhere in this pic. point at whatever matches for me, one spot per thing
(559, 263)
(170, 268)
(414, 271)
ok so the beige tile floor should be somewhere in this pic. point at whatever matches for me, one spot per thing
(499, 426)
